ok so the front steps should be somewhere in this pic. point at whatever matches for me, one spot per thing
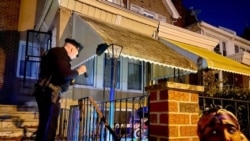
(16, 124)
(19, 123)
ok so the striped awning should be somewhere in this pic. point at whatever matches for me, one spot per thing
(211, 59)
(138, 46)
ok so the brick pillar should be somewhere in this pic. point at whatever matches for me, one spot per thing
(174, 111)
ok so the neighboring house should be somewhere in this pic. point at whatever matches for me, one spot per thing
(230, 45)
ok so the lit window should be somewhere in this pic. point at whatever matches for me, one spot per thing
(30, 67)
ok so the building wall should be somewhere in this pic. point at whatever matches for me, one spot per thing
(40, 6)
(9, 38)
(26, 15)
(2, 67)
(115, 15)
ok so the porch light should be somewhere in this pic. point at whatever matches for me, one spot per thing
(114, 52)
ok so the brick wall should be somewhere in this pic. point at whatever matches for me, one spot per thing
(2, 66)
(174, 111)
(9, 38)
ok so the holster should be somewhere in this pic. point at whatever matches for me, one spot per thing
(56, 91)
(43, 83)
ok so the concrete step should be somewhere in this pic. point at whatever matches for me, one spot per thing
(8, 108)
(11, 132)
(12, 139)
(17, 134)
(18, 123)
(18, 115)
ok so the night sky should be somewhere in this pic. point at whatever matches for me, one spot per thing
(231, 14)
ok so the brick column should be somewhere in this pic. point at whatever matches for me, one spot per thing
(174, 111)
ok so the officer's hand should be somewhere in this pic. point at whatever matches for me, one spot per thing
(82, 69)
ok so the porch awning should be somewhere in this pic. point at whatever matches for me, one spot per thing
(211, 59)
(91, 33)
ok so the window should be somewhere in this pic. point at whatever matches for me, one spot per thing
(134, 74)
(224, 49)
(118, 2)
(148, 14)
(236, 49)
(107, 72)
(31, 70)
(242, 49)
(135, 8)
(217, 49)
(82, 80)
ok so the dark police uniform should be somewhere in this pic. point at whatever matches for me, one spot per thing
(55, 68)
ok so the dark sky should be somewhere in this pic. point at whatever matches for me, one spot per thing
(232, 14)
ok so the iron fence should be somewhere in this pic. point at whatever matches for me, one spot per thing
(89, 120)
(239, 107)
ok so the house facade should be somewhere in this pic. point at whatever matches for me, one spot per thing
(155, 50)
(144, 25)
(138, 29)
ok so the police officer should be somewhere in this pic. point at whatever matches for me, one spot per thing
(54, 78)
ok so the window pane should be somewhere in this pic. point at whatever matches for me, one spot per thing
(32, 64)
(107, 72)
(32, 69)
(134, 75)
(82, 80)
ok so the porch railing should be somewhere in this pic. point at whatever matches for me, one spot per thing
(89, 120)
(83, 122)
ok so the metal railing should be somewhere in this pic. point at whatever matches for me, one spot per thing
(89, 120)
(239, 107)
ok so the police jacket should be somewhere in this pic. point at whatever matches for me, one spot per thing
(56, 64)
